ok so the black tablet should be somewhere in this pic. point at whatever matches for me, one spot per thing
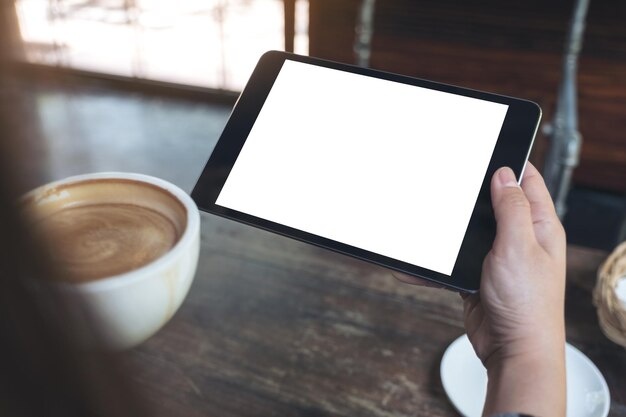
(386, 168)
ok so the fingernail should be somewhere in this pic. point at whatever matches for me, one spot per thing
(507, 177)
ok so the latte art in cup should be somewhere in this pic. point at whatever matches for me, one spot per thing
(97, 241)
(103, 228)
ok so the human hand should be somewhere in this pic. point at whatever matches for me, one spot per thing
(516, 321)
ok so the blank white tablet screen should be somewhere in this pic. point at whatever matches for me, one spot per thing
(383, 166)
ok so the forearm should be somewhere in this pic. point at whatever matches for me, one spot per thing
(532, 384)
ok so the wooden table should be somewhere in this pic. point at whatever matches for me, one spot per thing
(275, 327)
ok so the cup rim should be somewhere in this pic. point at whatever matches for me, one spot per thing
(143, 272)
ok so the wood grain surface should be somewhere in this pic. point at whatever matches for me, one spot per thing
(275, 327)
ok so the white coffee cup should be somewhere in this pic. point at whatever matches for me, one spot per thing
(122, 310)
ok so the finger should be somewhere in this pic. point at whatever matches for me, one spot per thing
(408, 279)
(538, 196)
(547, 226)
(512, 211)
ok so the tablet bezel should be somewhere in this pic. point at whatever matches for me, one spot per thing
(512, 149)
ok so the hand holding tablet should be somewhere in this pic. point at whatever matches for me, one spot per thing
(516, 322)
(390, 169)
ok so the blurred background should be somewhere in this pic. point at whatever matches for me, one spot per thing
(208, 43)
(147, 85)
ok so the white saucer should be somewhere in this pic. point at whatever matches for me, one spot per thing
(465, 381)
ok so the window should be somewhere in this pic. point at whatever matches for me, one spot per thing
(210, 43)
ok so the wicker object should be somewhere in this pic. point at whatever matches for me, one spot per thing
(611, 310)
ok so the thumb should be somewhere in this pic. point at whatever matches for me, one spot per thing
(511, 209)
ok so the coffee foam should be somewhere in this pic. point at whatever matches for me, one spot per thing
(105, 227)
